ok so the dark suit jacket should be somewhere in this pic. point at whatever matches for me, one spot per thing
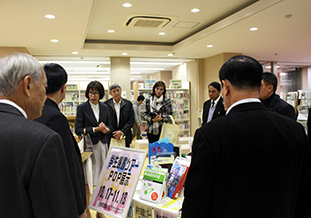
(127, 118)
(85, 119)
(53, 118)
(280, 106)
(219, 110)
(251, 163)
(34, 179)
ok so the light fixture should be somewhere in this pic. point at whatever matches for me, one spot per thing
(127, 5)
(170, 54)
(195, 10)
(49, 16)
(54, 40)
(111, 31)
(253, 29)
(209, 46)
(162, 33)
(75, 52)
(124, 53)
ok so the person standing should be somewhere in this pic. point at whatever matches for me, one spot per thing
(122, 115)
(137, 123)
(214, 107)
(93, 118)
(158, 110)
(54, 119)
(251, 162)
(272, 101)
(35, 180)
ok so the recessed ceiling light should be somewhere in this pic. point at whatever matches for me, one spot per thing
(253, 29)
(127, 5)
(49, 16)
(124, 53)
(75, 52)
(161, 33)
(209, 46)
(195, 10)
(54, 40)
(111, 31)
(170, 54)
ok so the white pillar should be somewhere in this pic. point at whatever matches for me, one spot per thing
(120, 73)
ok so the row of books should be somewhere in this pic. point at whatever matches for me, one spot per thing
(178, 106)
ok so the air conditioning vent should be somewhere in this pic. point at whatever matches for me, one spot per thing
(148, 22)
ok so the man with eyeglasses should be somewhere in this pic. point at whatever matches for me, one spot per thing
(214, 107)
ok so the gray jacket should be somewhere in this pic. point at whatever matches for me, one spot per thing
(137, 113)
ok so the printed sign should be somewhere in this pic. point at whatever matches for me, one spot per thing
(117, 182)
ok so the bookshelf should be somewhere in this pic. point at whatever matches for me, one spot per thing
(75, 95)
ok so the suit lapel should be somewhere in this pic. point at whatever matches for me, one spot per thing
(89, 110)
(110, 104)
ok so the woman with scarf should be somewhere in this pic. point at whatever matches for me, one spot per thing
(158, 110)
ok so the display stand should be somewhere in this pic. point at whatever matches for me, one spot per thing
(292, 99)
(303, 108)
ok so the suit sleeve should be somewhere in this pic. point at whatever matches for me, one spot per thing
(131, 119)
(204, 119)
(200, 179)
(303, 203)
(59, 124)
(289, 111)
(50, 187)
(79, 121)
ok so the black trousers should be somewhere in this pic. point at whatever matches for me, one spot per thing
(153, 138)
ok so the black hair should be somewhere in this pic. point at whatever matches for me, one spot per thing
(158, 84)
(56, 77)
(96, 86)
(216, 85)
(270, 79)
(243, 72)
(141, 97)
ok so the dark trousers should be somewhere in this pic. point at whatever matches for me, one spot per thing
(153, 138)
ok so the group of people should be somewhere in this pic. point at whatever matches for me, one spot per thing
(214, 107)
(246, 160)
(43, 172)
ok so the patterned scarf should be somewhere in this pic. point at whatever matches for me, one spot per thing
(155, 103)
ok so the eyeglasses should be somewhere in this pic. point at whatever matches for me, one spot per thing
(93, 93)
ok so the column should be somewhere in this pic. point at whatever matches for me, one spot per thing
(120, 73)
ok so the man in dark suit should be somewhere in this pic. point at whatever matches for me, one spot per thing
(54, 119)
(214, 107)
(34, 179)
(272, 101)
(122, 115)
(251, 163)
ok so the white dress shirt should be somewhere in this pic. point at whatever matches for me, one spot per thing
(5, 101)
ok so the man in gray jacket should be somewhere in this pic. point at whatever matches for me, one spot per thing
(136, 126)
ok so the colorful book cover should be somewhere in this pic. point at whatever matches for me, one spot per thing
(153, 185)
(177, 176)
(163, 146)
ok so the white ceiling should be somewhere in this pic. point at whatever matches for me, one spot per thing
(82, 26)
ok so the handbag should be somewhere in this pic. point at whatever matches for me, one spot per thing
(86, 147)
(119, 143)
(171, 131)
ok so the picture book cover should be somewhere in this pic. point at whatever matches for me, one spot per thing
(177, 176)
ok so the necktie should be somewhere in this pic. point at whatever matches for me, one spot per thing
(213, 103)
